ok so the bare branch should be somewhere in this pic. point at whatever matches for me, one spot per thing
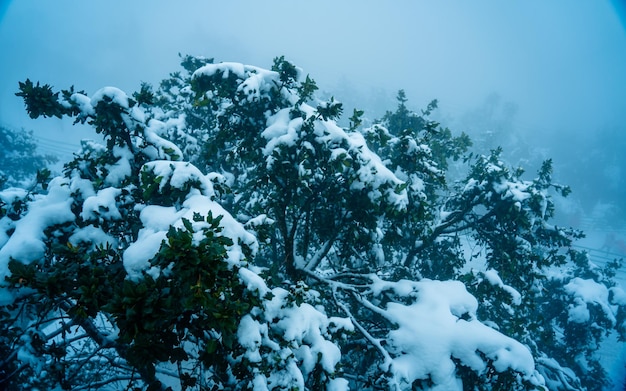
(98, 385)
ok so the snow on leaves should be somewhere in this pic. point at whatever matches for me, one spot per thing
(301, 326)
(439, 325)
(355, 162)
(27, 237)
(589, 293)
(233, 235)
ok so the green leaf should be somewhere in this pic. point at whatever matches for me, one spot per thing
(187, 225)
(211, 346)
(40, 100)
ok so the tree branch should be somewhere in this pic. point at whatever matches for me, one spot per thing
(387, 360)
(103, 383)
(325, 249)
(104, 342)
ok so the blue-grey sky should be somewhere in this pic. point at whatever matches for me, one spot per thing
(563, 63)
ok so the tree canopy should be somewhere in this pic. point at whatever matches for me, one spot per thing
(229, 234)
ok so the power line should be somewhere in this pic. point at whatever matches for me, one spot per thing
(47, 144)
(56, 148)
(60, 143)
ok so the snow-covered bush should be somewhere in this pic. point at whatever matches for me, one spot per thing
(231, 235)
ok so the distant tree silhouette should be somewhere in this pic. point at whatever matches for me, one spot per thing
(19, 159)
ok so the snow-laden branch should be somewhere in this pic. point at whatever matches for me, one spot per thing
(387, 360)
(319, 255)
(61, 330)
(90, 328)
(565, 375)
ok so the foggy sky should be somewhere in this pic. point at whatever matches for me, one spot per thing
(563, 63)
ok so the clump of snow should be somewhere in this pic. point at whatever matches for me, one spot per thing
(254, 83)
(280, 130)
(441, 325)
(491, 168)
(259, 220)
(157, 147)
(304, 329)
(298, 336)
(226, 68)
(516, 191)
(494, 279)
(338, 384)
(306, 326)
(114, 94)
(253, 281)
(565, 375)
(92, 236)
(9, 197)
(83, 102)
(231, 228)
(585, 293)
(372, 174)
(26, 244)
(617, 296)
(27, 354)
(102, 206)
(156, 221)
(121, 169)
(178, 175)
(250, 337)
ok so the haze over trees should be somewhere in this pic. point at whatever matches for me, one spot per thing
(20, 159)
(229, 234)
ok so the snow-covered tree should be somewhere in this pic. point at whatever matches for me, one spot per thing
(19, 160)
(231, 235)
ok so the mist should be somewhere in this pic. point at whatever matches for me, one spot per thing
(558, 67)
(561, 64)
(547, 77)
(543, 80)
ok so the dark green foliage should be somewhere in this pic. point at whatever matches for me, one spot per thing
(40, 100)
(306, 90)
(330, 110)
(156, 318)
(145, 96)
(443, 146)
(106, 119)
(289, 74)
